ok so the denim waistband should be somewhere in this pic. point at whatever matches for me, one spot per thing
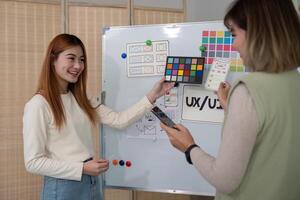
(62, 189)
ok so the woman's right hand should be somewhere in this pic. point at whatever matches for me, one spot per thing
(95, 167)
(180, 137)
(160, 88)
(222, 94)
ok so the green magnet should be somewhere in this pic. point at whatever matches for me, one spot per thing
(202, 48)
(148, 42)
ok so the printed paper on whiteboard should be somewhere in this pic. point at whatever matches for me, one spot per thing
(201, 105)
(144, 60)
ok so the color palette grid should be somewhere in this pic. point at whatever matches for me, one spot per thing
(219, 44)
(184, 69)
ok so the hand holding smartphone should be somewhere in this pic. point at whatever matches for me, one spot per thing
(162, 117)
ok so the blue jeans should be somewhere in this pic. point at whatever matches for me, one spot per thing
(62, 189)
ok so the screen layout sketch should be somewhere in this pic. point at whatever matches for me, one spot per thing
(147, 59)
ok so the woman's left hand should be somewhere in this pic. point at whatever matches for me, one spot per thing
(222, 94)
(160, 88)
(180, 137)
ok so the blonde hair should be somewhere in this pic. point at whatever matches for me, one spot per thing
(48, 84)
(272, 33)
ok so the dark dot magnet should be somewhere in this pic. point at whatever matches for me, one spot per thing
(124, 55)
(121, 162)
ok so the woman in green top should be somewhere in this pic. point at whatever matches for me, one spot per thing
(258, 155)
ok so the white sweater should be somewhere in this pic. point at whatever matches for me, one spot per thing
(59, 153)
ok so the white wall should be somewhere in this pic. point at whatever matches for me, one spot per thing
(297, 4)
(206, 10)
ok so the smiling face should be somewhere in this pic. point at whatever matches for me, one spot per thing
(68, 66)
(239, 35)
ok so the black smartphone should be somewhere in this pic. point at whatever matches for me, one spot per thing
(162, 116)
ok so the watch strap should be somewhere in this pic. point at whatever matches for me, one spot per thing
(188, 153)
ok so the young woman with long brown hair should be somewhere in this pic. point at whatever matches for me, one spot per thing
(59, 119)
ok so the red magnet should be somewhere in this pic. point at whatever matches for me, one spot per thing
(115, 162)
(128, 163)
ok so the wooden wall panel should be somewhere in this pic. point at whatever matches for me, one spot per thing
(87, 23)
(26, 29)
(148, 16)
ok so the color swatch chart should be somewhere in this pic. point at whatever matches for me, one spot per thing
(184, 69)
(219, 44)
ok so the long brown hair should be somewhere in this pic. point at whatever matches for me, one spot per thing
(272, 33)
(48, 85)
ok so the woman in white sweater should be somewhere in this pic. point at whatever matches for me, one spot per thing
(59, 119)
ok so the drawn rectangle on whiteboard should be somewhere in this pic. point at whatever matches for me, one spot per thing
(146, 60)
(201, 105)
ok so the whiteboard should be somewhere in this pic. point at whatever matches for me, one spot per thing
(155, 164)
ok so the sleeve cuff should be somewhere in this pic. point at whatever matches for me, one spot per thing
(195, 153)
(79, 172)
(145, 101)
